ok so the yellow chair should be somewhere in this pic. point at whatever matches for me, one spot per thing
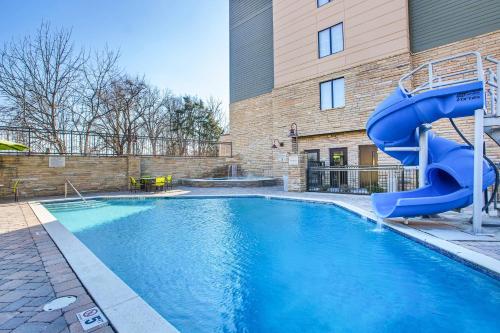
(15, 189)
(159, 183)
(169, 181)
(134, 185)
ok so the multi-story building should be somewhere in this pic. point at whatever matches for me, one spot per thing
(325, 64)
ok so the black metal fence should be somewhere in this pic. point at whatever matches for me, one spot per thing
(361, 179)
(102, 144)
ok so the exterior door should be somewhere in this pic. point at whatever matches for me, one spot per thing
(338, 158)
(312, 157)
(368, 157)
(314, 177)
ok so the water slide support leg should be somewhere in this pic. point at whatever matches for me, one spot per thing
(423, 153)
(477, 217)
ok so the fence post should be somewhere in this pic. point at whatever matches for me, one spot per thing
(29, 141)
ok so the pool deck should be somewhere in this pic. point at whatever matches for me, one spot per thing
(33, 270)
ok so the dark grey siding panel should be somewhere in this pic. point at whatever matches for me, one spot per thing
(438, 22)
(251, 48)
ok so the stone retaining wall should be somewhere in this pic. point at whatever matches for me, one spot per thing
(186, 167)
(96, 174)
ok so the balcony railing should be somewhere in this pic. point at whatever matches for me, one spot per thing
(103, 144)
(361, 179)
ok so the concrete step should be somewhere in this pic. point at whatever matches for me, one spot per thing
(71, 205)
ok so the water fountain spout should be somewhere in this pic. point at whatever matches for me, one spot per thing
(232, 170)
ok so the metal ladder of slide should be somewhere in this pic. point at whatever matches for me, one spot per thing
(492, 111)
(492, 115)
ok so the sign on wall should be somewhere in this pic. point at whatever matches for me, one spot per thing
(282, 157)
(57, 161)
(293, 160)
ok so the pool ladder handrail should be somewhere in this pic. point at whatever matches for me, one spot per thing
(74, 189)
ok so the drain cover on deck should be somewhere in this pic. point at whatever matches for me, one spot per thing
(59, 303)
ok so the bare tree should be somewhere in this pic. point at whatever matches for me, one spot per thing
(121, 122)
(155, 117)
(97, 75)
(38, 76)
(51, 88)
(209, 127)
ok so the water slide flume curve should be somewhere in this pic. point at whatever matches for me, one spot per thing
(395, 123)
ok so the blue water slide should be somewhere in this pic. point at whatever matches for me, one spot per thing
(395, 123)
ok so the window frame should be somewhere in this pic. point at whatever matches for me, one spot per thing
(330, 40)
(318, 5)
(332, 107)
(314, 151)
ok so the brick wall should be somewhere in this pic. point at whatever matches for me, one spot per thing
(91, 174)
(252, 134)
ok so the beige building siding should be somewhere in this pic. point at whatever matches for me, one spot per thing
(373, 30)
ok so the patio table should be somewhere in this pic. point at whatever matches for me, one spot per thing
(147, 181)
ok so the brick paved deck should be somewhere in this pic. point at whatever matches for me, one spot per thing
(33, 272)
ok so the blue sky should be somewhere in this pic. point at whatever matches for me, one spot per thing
(182, 45)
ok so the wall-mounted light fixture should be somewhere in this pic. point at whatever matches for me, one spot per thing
(294, 132)
(277, 143)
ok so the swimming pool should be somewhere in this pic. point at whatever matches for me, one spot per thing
(265, 265)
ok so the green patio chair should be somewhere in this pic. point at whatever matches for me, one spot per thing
(15, 188)
(159, 183)
(134, 185)
(169, 182)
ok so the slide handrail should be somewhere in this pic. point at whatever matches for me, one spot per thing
(439, 81)
(492, 82)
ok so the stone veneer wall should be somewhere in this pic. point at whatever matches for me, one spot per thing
(251, 134)
(186, 167)
(256, 122)
(297, 174)
(91, 174)
(87, 174)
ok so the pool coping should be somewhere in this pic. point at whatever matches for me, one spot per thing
(117, 300)
(124, 308)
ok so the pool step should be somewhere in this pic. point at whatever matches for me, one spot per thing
(71, 205)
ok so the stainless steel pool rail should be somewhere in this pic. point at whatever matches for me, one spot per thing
(74, 189)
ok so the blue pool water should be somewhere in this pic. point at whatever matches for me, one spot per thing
(265, 265)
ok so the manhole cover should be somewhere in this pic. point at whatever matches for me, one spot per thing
(59, 303)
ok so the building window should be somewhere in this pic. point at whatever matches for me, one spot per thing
(322, 2)
(312, 157)
(332, 94)
(331, 40)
